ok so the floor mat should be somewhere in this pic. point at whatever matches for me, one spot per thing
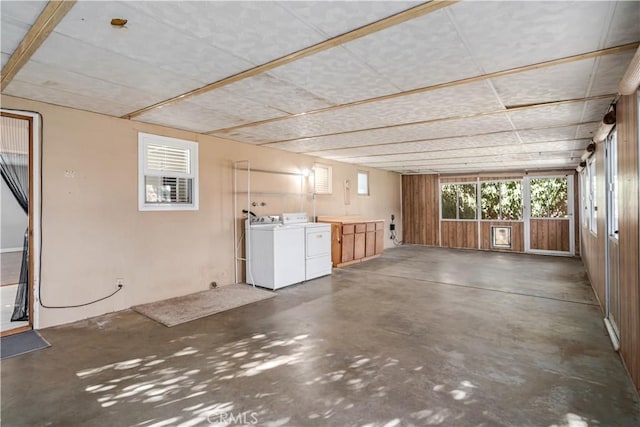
(174, 311)
(25, 342)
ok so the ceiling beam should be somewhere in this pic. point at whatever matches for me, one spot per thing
(443, 119)
(311, 152)
(468, 80)
(398, 18)
(49, 18)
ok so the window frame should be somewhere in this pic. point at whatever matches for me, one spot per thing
(366, 174)
(457, 218)
(146, 139)
(498, 181)
(329, 170)
(592, 198)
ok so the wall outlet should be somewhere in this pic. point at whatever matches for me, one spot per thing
(119, 283)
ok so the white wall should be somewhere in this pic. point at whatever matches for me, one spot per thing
(13, 220)
(93, 233)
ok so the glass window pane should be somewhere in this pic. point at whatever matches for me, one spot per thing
(449, 202)
(467, 201)
(363, 183)
(511, 200)
(490, 200)
(168, 189)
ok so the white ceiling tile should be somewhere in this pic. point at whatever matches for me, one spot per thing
(553, 134)
(594, 111)
(227, 101)
(257, 31)
(188, 116)
(147, 40)
(449, 102)
(22, 11)
(54, 95)
(5, 59)
(561, 82)
(104, 92)
(553, 115)
(276, 93)
(624, 27)
(11, 33)
(81, 58)
(587, 131)
(335, 75)
(437, 54)
(441, 145)
(609, 71)
(505, 35)
(337, 17)
(431, 130)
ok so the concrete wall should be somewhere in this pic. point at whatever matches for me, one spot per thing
(13, 220)
(93, 232)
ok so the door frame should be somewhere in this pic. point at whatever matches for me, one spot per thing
(611, 323)
(526, 214)
(35, 213)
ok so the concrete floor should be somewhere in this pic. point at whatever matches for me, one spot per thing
(419, 336)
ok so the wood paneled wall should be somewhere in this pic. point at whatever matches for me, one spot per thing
(421, 209)
(550, 234)
(593, 247)
(629, 234)
(517, 235)
(459, 234)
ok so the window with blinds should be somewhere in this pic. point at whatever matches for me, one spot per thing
(322, 179)
(168, 178)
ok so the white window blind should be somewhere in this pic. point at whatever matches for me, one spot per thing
(322, 179)
(163, 158)
(168, 178)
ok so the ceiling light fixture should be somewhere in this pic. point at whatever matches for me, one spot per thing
(631, 78)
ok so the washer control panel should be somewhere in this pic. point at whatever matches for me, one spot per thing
(295, 218)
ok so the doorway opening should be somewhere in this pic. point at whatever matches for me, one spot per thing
(18, 218)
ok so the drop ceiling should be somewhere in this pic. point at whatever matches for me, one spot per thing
(446, 89)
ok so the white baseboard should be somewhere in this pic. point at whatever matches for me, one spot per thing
(2, 251)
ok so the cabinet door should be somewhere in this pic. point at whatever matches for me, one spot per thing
(347, 247)
(379, 241)
(359, 246)
(370, 243)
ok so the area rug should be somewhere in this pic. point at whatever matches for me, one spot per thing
(25, 342)
(174, 311)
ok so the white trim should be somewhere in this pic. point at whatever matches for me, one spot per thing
(143, 140)
(8, 250)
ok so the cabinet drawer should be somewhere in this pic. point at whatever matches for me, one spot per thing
(361, 228)
(348, 228)
(371, 226)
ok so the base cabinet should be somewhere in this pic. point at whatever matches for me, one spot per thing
(354, 242)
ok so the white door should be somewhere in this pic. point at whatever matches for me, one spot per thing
(548, 213)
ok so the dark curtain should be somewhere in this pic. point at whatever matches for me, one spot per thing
(15, 173)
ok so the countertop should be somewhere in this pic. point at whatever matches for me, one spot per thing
(347, 219)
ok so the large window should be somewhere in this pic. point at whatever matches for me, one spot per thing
(549, 198)
(459, 201)
(167, 173)
(501, 200)
(322, 179)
